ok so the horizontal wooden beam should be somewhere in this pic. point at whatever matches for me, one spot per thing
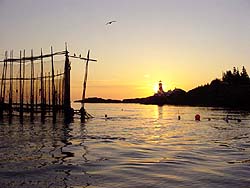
(36, 78)
(83, 58)
(31, 58)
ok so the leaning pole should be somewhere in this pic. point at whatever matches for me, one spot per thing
(68, 114)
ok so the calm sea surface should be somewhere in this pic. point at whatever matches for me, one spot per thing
(137, 146)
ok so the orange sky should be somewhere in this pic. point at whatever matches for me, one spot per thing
(183, 43)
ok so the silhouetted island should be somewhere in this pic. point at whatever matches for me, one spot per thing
(233, 91)
(99, 100)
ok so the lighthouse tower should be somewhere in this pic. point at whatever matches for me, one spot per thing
(160, 90)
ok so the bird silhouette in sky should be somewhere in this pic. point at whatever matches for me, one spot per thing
(109, 23)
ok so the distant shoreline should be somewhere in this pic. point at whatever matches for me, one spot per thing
(232, 91)
(99, 100)
(148, 101)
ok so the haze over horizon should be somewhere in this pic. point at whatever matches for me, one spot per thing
(184, 43)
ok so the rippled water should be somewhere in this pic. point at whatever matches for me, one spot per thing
(136, 146)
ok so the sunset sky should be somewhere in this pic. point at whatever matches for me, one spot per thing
(184, 43)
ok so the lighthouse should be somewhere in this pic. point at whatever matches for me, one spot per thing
(160, 90)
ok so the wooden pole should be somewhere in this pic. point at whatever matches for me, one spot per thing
(3, 80)
(32, 88)
(45, 91)
(2, 94)
(42, 90)
(63, 88)
(57, 91)
(53, 87)
(49, 92)
(23, 86)
(68, 114)
(10, 84)
(20, 89)
(60, 90)
(85, 80)
(82, 110)
(5, 73)
(2, 105)
(16, 90)
(37, 91)
(27, 96)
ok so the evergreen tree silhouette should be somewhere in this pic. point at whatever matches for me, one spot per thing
(235, 77)
(244, 76)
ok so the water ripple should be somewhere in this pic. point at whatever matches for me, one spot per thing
(138, 146)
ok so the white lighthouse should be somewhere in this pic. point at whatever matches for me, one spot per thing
(160, 91)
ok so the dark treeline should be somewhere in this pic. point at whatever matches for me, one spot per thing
(235, 77)
(232, 90)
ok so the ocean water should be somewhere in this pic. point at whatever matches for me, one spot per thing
(137, 146)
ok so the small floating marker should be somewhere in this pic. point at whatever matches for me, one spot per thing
(209, 119)
(179, 117)
(197, 117)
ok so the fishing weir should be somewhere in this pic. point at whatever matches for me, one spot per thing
(39, 85)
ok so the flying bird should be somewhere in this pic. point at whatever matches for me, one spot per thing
(109, 23)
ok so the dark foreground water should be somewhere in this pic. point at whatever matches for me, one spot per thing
(136, 147)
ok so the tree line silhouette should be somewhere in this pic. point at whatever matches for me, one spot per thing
(235, 77)
(233, 90)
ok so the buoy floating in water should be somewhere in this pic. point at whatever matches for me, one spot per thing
(197, 117)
